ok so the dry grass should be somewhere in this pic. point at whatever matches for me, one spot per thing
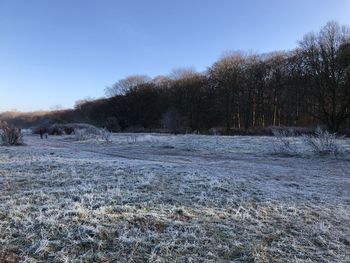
(57, 205)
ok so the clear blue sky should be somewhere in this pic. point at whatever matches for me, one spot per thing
(54, 52)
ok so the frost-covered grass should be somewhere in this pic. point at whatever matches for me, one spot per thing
(162, 198)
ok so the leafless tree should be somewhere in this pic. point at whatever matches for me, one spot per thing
(324, 54)
(181, 73)
(308, 86)
(124, 85)
(162, 81)
(226, 77)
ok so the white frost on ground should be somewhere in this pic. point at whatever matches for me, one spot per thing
(167, 198)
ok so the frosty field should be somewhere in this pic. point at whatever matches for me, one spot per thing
(164, 198)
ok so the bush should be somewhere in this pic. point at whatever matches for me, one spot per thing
(66, 129)
(285, 144)
(92, 133)
(322, 142)
(11, 136)
(105, 135)
(131, 139)
(82, 134)
(56, 130)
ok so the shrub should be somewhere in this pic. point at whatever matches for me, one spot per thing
(55, 130)
(66, 129)
(92, 133)
(105, 135)
(81, 134)
(131, 139)
(322, 142)
(11, 136)
(285, 144)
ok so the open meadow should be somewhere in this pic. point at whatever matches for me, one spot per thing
(173, 198)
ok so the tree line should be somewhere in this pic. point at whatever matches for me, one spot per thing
(307, 86)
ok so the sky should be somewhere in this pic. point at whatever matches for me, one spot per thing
(55, 52)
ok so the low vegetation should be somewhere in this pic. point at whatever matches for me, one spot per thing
(11, 136)
(83, 134)
(321, 142)
(163, 198)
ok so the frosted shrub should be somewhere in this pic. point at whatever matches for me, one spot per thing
(95, 134)
(106, 135)
(132, 139)
(322, 143)
(81, 134)
(284, 143)
(11, 136)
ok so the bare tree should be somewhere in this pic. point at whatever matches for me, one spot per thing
(172, 121)
(122, 86)
(225, 76)
(308, 86)
(182, 73)
(252, 91)
(162, 81)
(323, 54)
(277, 63)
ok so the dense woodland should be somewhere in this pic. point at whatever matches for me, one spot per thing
(305, 87)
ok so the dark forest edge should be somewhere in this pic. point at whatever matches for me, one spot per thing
(243, 94)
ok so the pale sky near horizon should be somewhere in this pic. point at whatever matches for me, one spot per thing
(54, 52)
